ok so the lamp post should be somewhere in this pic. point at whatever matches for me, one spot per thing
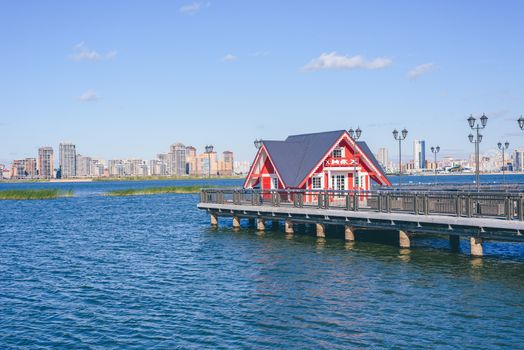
(257, 143)
(355, 135)
(503, 148)
(209, 150)
(521, 122)
(435, 150)
(477, 127)
(400, 138)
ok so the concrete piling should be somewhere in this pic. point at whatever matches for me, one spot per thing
(349, 235)
(475, 246)
(214, 220)
(289, 227)
(236, 223)
(261, 224)
(321, 233)
(403, 239)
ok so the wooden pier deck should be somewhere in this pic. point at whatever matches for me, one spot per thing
(478, 216)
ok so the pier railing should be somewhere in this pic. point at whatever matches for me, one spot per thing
(507, 206)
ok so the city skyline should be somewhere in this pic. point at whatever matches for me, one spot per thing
(207, 73)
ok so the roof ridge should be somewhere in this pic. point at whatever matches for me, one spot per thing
(316, 133)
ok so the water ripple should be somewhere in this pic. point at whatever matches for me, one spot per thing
(147, 272)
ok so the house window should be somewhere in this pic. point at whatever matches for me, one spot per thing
(337, 153)
(274, 183)
(316, 183)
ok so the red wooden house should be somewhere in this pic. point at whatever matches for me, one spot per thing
(320, 161)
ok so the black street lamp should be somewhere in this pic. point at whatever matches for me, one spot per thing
(477, 141)
(209, 150)
(400, 138)
(355, 135)
(521, 122)
(435, 150)
(503, 148)
(258, 143)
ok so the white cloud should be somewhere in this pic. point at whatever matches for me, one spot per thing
(334, 61)
(84, 53)
(191, 9)
(229, 58)
(88, 96)
(420, 70)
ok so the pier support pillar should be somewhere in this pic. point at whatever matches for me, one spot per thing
(261, 225)
(349, 235)
(321, 230)
(236, 222)
(454, 242)
(403, 239)
(214, 220)
(275, 225)
(475, 246)
(289, 227)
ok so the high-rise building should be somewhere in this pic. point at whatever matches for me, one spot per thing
(518, 159)
(18, 169)
(226, 164)
(115, 167)
(177, 159)
(83, 166)
(191, 160)
(67, 160)
(419, 154)
(46, 162)
(207, 164)
(157, 167)
(383, 157)
(30, 168)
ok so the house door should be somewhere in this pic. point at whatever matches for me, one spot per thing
(338, 182)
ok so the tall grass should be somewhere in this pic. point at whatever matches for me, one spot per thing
(156, 190)
(34, 194)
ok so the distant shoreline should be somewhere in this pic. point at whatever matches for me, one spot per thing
(115, 179)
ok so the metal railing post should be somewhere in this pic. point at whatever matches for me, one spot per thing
(507, 208)
(457, 205)
(348, 202)
(520, 206)
(355, 201)
(415, 204)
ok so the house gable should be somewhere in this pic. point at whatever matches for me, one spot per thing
(364, 158)
(297, 158)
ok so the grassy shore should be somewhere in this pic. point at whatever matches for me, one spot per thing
(34, 194)
(156, 190)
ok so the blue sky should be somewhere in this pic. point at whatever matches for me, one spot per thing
(128, 78)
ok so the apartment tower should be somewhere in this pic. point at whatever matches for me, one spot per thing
(46, 160)
(67, 160)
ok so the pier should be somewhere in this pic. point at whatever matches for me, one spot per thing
(477, 216)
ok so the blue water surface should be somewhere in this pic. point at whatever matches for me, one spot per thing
(98, 272)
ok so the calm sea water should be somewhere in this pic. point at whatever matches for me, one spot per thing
(148, 272)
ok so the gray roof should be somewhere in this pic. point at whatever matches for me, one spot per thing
(296, 157)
